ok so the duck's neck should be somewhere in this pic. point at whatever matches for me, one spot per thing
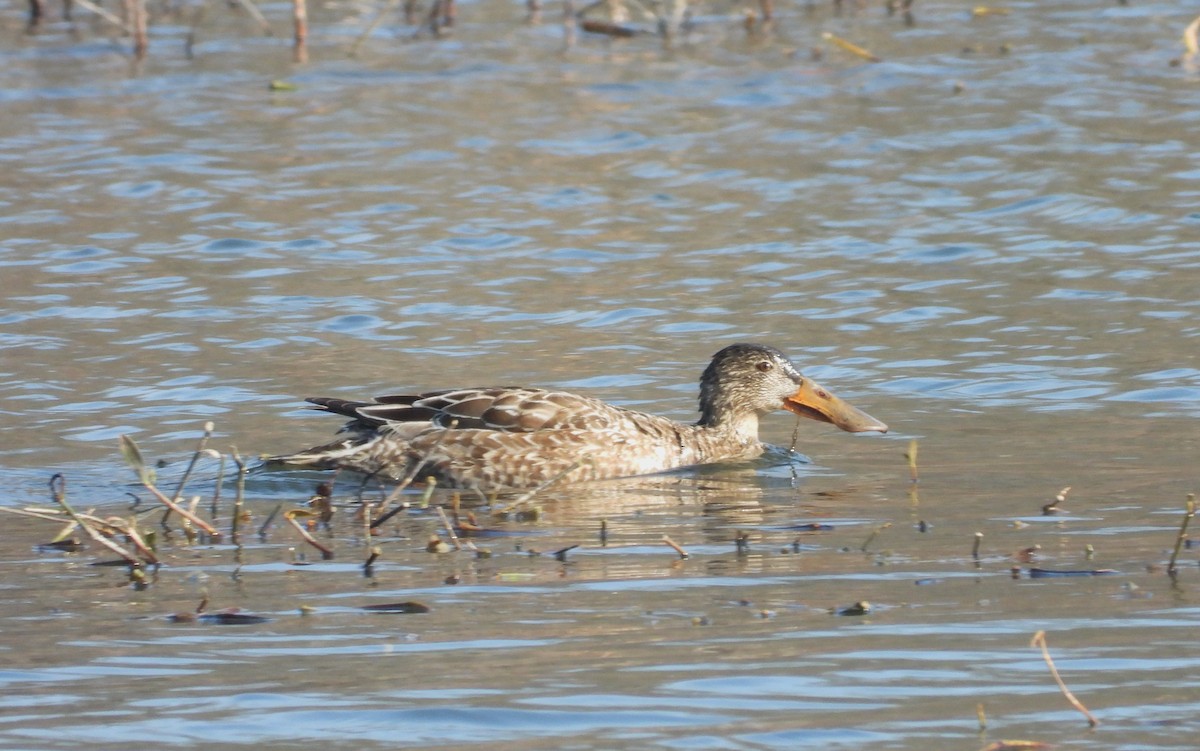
(717, 418)
(717, 438)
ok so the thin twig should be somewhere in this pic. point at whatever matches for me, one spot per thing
(106, 15)
(200, 451)
(257, 15)
(391, 6)
(239, 493)
(298, 513)
(58, 489)
(1182, 536)
(449, 528)
(213, 506)
(133, 456)
(674, 546)
(208, 528)
(262, 530)
(874, 533)
(1039, 640)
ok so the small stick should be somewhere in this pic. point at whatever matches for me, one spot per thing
(871, 537)
(213, 506)
(378, 20)
(239, 495)
(374, 556)
(208, 528)
(604, 531)
(911, 456)
(200, 451)
(982, 716)
(133, 456)
(300, 39)
(975, 547)
(138, 16)
(449, 528)
(262, 530)
(292, 515)
(387, 515)
(257, 15)
(147, 553)
(1039, 640)
(561, 554)
(1172, 571)
(58, 489)
(106, 15)
(674, 546)
(850, 47)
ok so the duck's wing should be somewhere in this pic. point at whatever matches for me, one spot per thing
(503, 409)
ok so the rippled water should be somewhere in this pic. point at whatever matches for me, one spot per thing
(990, 240)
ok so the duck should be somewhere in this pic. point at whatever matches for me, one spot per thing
(510, 438)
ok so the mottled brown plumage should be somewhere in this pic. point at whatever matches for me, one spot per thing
(509, 438)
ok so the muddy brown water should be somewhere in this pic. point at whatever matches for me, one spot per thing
(990, 240)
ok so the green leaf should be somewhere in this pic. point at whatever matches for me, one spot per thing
(133, 456)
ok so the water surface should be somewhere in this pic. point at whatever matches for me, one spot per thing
(989, 240)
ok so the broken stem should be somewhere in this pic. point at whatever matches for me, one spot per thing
(1039, 640)
(1190, 511)
(674, 546)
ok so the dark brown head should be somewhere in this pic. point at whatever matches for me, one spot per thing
(746, 380)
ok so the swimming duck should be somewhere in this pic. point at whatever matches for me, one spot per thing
(508, 438)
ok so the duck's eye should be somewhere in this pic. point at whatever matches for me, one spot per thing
(764, 366)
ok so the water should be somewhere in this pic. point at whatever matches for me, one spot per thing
(989, 241)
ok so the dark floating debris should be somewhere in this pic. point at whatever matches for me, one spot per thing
(862, 607)
(810, 527)
(68, 545)
(1045, 573)
(1052, 508)
(228, 617)
(109, 564)
(398, 607)
(610, 29)
(561, 554)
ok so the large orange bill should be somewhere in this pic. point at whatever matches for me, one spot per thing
(815, 403)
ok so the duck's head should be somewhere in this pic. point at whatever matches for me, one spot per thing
(746, 380)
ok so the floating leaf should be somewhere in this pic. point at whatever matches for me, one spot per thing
(133, 456)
